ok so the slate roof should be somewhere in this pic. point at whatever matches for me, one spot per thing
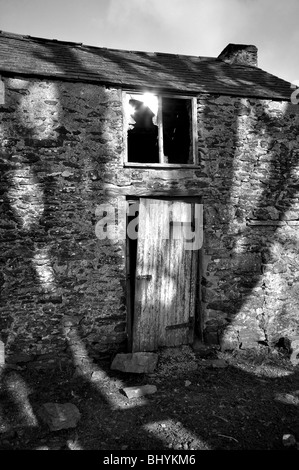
(31, 56)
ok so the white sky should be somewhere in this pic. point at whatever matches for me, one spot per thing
(196, 27)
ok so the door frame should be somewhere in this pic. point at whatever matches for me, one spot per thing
(198, 314)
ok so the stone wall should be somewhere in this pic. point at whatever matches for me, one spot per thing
(251, 270)
(63, 289)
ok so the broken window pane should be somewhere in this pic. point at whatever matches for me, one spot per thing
(142, 112)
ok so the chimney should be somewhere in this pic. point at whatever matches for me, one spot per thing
(239, 54)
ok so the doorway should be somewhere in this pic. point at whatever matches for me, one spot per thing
(163, 271)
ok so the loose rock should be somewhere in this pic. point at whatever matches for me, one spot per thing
(135, 392)
(288, 440)
(98, 375)
(288, 398)
(138, 363)
(59, 416)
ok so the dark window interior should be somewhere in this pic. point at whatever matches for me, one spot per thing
(143, 135)
(176, 130)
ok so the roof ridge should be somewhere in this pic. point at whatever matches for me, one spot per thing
(8, 34)
(26, 37)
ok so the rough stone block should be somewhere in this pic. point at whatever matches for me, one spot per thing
(59, 416)
(229, 342)
(136, 392)
(249, 337)
(138, 363)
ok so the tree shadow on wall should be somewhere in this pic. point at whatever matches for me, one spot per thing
(255, 168)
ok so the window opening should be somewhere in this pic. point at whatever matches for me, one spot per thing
(159, 129)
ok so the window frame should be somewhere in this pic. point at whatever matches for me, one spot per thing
(162, 163)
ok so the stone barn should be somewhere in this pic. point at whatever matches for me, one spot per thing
(147, 200)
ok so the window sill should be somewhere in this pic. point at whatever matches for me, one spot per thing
(158, 166)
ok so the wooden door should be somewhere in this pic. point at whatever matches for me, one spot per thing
(166, 277)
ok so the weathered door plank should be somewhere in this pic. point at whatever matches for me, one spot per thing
(165, 277)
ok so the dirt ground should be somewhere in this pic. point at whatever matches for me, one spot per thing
(248, 403)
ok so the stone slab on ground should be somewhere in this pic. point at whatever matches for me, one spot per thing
(139, 391)
(59, 416)
(138, 363)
